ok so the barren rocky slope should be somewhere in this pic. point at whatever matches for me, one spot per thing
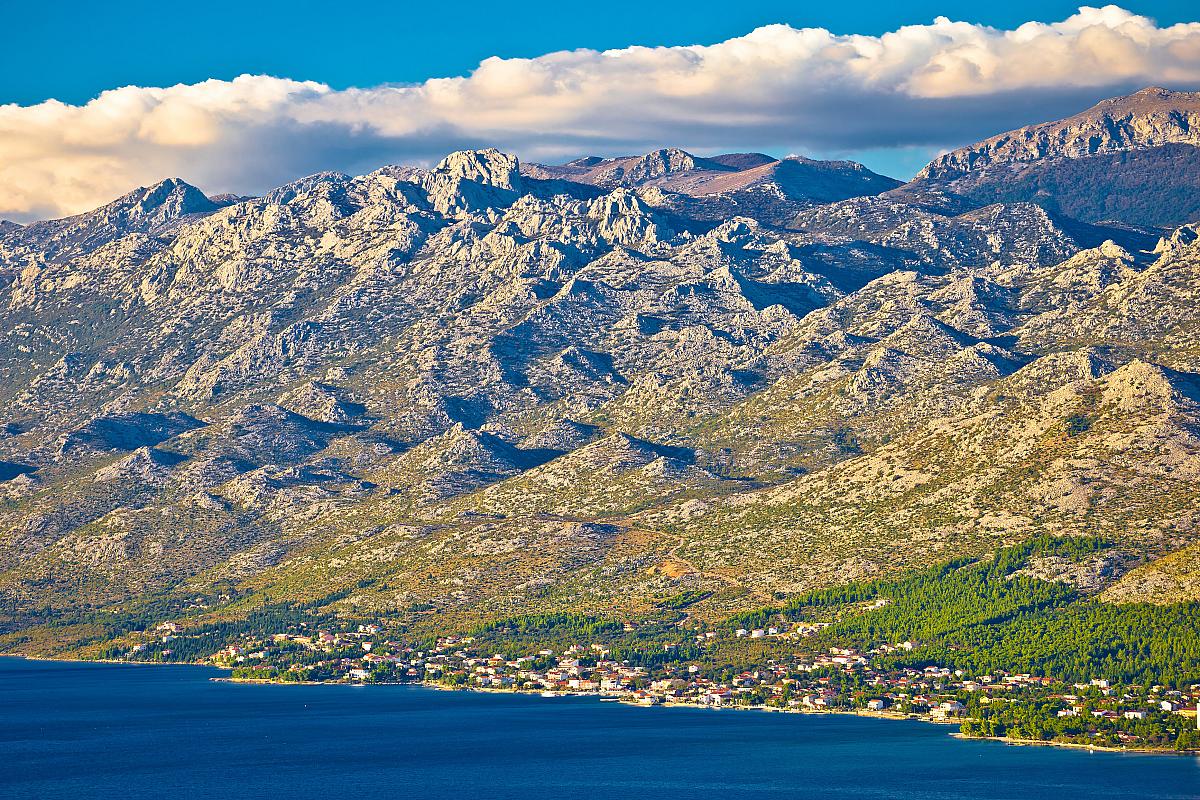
(483, 388)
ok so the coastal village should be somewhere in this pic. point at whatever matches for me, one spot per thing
(839, 680)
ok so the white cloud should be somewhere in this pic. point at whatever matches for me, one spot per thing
(777, 87)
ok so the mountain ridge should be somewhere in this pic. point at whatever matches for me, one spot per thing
(487, 389)
(1150, 117)
(1135, 159)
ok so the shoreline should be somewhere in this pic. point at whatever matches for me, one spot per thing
(1091, 748)
(119, 662)
(610, 697)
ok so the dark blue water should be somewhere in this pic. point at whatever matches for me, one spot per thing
(95, 730)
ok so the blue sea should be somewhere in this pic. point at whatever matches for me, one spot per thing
(71, 730)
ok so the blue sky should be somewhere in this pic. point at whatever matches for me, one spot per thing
(71, 51)
(96, 99)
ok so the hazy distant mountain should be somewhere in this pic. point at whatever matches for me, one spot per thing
(630, 171)
(749, 184)
(488, 387)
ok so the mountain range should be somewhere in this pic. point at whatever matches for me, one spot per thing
(491, 387)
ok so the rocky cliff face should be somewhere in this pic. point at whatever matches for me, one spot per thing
(484, 388)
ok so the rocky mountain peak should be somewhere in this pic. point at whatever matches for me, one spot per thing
(1154, 92)
(293, 189)
(172, 197)
(1110, 249)
(1151, 117)
(1179, 240)
(149, 210)
(664, 162)
(489, 167)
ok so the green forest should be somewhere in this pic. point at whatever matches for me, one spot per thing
(984, 616)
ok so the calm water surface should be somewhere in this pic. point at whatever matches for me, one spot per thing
(101, 730)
